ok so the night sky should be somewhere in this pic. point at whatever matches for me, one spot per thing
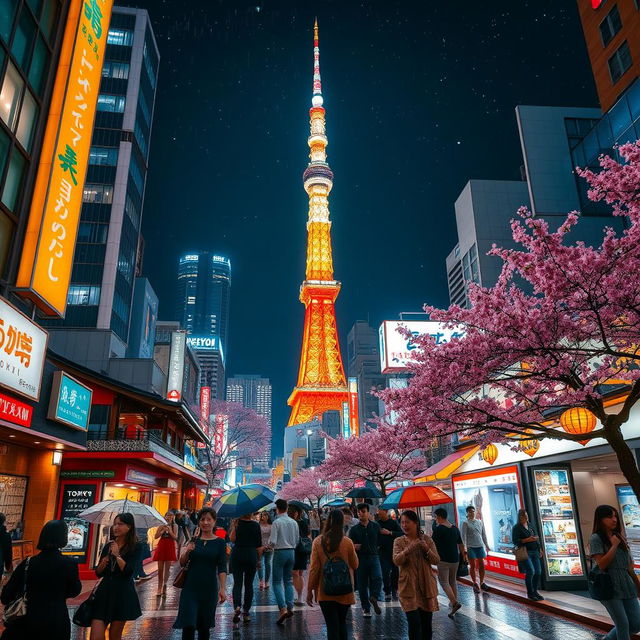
(420, 98)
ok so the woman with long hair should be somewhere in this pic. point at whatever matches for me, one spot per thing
(50, 578)
(414, 553)
(264, 567)
(205, 584)
(165, 552)
(524, 535)
(610, 551)
(330, 546)
(116, 600)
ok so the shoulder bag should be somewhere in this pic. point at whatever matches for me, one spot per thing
(84, 613)
(17, 610)
(521, 554)
(599, 583)
(304, 545)
(181, 576)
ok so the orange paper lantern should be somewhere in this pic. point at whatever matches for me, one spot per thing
(578, 421)
(530, 447)
(490, 453)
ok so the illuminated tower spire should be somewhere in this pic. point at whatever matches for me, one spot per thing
(321, 381)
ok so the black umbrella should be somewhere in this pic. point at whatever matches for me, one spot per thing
(364, 492)
(302, 505)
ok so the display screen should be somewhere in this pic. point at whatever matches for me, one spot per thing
(630, 513)
(77, 498)
(496, 500)
(558, 520)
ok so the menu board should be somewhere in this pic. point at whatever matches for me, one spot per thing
(13, 490)
(77, 498)
(630, 513)
(558, 518)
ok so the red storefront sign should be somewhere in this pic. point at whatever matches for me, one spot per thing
(15, 411)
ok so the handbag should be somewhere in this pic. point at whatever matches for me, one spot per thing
(599, 583)
(181, 577)
(521, 554)
(16, 610)
(304, 546)
(463, 569)
(84, 613)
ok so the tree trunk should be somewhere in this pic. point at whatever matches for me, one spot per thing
(626, 458)
(383, 488)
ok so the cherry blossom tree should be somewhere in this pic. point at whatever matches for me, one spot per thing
(247, 435)
(380, 455)
(568, 337)
(309, 484)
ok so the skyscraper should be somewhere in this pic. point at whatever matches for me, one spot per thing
(253, 392)
(321, 382)
(104, 266)
(204, 289)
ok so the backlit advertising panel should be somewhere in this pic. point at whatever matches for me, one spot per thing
(77, 498)
(220, 434)
(346, 424)
(630, 514)
(354, 425)
(175, 375)
(495, 494)
(47, 255)
(396, 350)
(205, 408)
(70, 401)
(556, 509)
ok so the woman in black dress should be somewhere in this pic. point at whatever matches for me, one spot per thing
(247, 548)
(301, 556)
(116, 600)
(51, 579)
(206, 555)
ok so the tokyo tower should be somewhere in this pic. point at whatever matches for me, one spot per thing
(321, 381)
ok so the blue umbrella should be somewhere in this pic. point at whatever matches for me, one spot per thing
(245, 499)
(338, 502)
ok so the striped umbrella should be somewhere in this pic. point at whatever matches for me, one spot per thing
(244, 499)
(415, 496)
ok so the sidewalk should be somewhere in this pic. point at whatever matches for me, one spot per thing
(565, 604)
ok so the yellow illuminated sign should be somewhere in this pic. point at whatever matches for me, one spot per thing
(47, 256)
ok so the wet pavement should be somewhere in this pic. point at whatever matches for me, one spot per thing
(483, 616)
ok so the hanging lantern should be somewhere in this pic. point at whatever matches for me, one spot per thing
(584, 442)
(578, 421)
(490, 453)
(530, 447)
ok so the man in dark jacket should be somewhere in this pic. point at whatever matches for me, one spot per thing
(6, 553)
(389, 531)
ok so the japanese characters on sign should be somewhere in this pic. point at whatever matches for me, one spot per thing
(175, 377)
(205, 408)
(220, 434)
(15, 411)
(396, 350)
(70, 401)
(353, 407)
(47, 257)
(23, 346)
(77, 498)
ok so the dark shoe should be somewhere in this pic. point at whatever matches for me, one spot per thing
(394, 595)
(456, 607)
(246, 618)
(387, 598)
(375, 605)
(476, 588)
(236, 615)
(289, 613)
(366, 614)
(538, 597)
(484, 587)
(283, 616)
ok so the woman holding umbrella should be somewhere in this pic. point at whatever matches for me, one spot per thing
(205, 556)
(116, 600)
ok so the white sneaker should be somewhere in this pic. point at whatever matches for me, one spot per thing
(366, 614)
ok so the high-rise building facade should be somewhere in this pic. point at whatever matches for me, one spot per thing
(203, 295)
(253, 392)
(363, 363)
(321, 384)
(104, 266)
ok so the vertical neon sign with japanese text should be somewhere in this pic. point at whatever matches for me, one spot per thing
(47, 257)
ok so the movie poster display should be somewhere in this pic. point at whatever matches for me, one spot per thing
(563, 557)
(630, 514)
(77, 498)
(495, 495)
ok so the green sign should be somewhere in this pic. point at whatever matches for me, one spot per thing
(70, 401)
(87, 474)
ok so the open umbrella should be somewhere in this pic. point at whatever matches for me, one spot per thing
(299, 503)
(364, 492)
(415, 496)
(104, 513)
(244, 499)
(337, 502)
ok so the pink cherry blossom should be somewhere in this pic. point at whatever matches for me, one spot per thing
(309, 485)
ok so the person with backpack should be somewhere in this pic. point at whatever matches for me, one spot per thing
(333, 561)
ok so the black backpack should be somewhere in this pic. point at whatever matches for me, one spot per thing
(336, 577)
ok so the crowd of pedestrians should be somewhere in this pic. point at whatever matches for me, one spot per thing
(344, 556)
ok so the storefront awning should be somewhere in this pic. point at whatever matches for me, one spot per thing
(443, 469)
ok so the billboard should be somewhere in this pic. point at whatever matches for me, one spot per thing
(176, 366)
(23, 347)
(354, 426)
(77, 498)
(346, 423)
(396, 350)
(205, 408)
(47, 255)
(220, 434)
(70, 401)
(202, 343)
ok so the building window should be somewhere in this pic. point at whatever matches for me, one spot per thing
(120, 37)
(118, 70)
(619, 62)
(27, 121)
(107, 102)
(13, 181)
(10, 96)
(98, 193)
(107, 156)
(83, 295)
(610, 26)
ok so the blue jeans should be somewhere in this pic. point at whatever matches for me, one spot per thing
(625, 615)
(282, 577)
(532, 570)
(369, 580)
(264, 568)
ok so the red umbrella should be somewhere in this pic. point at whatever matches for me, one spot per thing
(415, 496)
